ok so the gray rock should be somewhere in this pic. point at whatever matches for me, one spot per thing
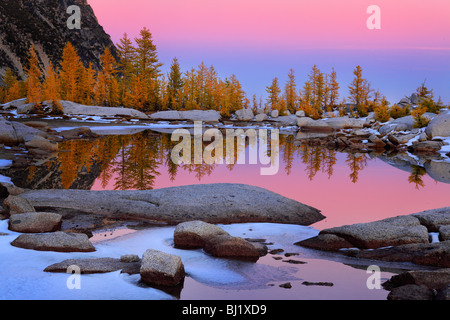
(195, 234)
(261, 117)
(325, 242)
(300, 113)
(226, 246)
(13, 133)
(444, 233)
(439, 126)
(191, 115)
(425, 146)
(41, 143)
(72, 108)
(166, 115)
(435, 254)
(212, 203)
(435, 218)
(377, 141)
(35, 222)
(411, 292)
(400, 124)
(55, 241)
(432, 279)
(274, 113)
(388, 232)
(245, 115)
(17, 204)
(129, 258)
(443, 294)
(438, 170)
(344, 122)
(286, 120)
(161, 269)
(96, 265)
(414, 99)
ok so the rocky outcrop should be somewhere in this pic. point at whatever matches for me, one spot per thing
(419, 285)
(54, 241)
(72, 108)
(161, 269)
(44, 24)
(402, 238)
(212, 203)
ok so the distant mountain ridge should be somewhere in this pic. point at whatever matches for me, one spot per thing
(43, 23)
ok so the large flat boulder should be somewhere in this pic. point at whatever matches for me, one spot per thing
(96, 265)
(190, 115)
(212, 203)
(54, 241)
(72, 108)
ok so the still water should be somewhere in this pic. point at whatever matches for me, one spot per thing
(348, 188)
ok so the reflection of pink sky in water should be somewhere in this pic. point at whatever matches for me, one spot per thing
(382, 191)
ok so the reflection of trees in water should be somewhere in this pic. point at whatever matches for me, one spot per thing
(417, 173)
(135, 161)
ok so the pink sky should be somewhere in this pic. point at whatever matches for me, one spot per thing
(281, 24)
(258, 40)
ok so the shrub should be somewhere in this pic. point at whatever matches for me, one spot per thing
(381, 113)
(419, 120)
(398, 111)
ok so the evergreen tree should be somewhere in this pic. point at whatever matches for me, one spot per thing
(174, 86)
(291, 93)
(359, 92)
(70, 65)
(33, 75)
(274, 94)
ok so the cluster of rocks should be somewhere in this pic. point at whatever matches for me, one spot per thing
(34, 142)
(402, 238)
(407, 238)
(215, 241)
(158, 268)
(419, 285)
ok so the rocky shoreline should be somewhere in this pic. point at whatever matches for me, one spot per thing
(61, 220)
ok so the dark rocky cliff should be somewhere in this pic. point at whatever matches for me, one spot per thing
(43, 23)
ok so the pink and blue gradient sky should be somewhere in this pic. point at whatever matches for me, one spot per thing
(260, 39)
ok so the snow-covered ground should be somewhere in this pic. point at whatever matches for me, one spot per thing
(22, 275)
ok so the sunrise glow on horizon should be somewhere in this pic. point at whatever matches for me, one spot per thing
(260, 39)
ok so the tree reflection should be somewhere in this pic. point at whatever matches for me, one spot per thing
(133, 162)
(417, 173)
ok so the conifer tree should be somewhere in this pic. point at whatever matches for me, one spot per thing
(274, 94)
(333, 86)
(70, 65)
(291, 93)
(33, 82)
(9, 79)
(359, 92)
(174, 86)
